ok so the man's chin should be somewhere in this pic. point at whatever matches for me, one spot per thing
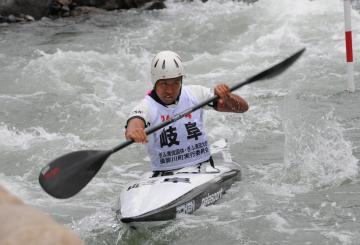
(168, 102)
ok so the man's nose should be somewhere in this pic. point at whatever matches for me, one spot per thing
(169, 88)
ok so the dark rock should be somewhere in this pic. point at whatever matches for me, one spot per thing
(3, 19)
(28, 10)
(61, 8)
(85, 10)
(248, 1)
(154, 5)
(35, 8)
(11, 18)
(93, 3)
(29, 18)
(110, 5)
(122, 4)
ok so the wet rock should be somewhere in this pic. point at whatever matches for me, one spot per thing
(3, 19)
(29, 18)
(105, 4)
(61, 8)
(12, 18)
(122, 4)
(34, 8)
(154, 5)
(28, 10)
(85, 10)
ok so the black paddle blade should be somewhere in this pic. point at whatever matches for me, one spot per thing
(272, 71)
(68, 174)
(278, 68)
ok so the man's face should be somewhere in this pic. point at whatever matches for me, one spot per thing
(168, 89)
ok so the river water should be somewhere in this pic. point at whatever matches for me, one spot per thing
(69, 84)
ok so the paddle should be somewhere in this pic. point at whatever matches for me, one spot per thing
(68, 174)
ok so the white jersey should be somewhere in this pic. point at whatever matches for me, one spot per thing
(182, 143)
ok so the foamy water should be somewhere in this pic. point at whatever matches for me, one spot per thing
(69, 84)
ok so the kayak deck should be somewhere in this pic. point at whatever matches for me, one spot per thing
(162, 198)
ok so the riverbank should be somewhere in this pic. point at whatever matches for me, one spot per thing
(12, 11)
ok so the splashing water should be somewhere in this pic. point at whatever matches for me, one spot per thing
(69, 84)
(316, 152)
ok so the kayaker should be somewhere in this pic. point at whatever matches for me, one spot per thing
(183, 143)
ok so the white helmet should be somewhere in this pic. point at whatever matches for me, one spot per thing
(166, 64)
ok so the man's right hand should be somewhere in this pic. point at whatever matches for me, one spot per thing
(136, 131)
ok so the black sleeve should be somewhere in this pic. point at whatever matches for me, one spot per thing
(136, 117)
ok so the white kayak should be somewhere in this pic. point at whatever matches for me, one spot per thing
(182, 192)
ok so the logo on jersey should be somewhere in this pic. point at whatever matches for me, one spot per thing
(166, 118)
